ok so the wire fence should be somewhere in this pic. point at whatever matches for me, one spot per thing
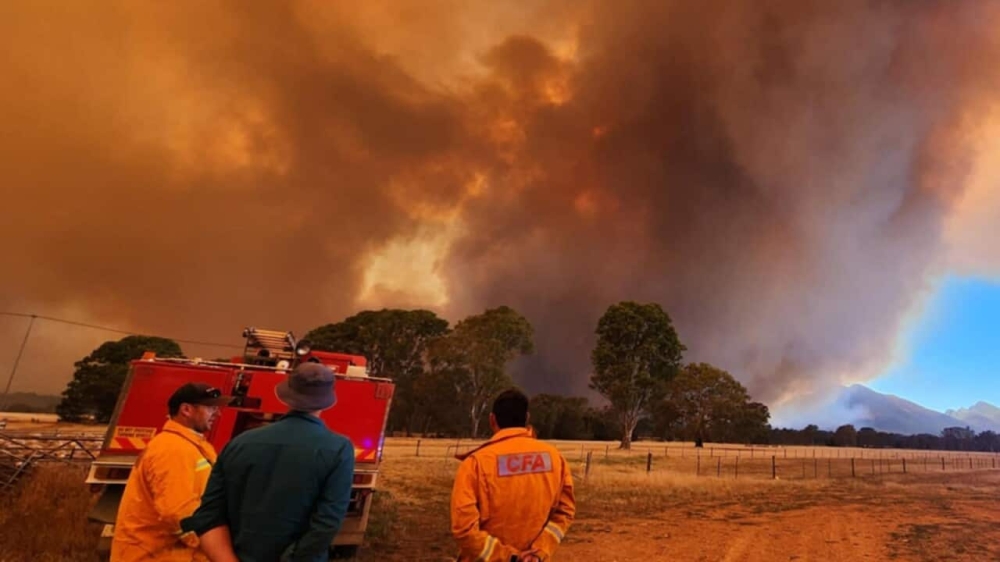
(19, 451)
(725, 461)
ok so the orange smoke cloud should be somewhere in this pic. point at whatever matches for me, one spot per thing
(782, 178)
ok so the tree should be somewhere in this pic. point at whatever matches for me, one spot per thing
(637, 353)
(99, 377)
(751, 425)
(809, 434)
(708, 403)
(474, 356)
(868, 437)
(957, 438)
(845, 436)
(394, 342)
(558, 417)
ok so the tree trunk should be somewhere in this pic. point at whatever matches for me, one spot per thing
(628, 426)
(475, 421)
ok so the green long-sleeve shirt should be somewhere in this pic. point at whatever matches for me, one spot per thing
(282, 489)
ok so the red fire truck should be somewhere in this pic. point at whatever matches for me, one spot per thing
(360, 414)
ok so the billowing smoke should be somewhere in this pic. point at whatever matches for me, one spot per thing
(784, 177)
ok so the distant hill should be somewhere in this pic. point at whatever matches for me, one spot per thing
(892, 414)
(981, 416)
(30, 402)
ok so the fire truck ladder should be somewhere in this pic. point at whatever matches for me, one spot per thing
(267, 347)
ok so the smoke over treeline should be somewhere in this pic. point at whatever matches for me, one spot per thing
(781, 176)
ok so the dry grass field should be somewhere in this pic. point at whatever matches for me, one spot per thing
(685, 508)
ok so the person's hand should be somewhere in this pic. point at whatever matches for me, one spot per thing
(529, 556)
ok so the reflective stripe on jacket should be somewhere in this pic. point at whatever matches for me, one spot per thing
(165, 486)
(513, 494)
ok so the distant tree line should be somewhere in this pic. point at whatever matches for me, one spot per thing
(950, 439)
(446, 377)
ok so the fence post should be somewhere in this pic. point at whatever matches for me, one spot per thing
(904, 465)
(786, 453)
(970, 463)
(737, 468)
(873, 466)
(606, 449)
(586, 471)
(418, 447)
(829, 468)
(774, 468)
(942, 463)
(852, 468)
(649, 462)
(815, 467)
(718, 469)
(697, 471)
(803, 470)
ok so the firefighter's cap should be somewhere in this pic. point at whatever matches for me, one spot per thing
(197, 393)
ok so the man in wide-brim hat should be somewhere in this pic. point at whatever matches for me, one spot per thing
(281, 490)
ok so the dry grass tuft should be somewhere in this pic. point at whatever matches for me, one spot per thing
(44, 518)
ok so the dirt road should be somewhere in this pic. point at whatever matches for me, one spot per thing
(930, 517)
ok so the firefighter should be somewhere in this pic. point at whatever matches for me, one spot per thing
(512, 498)
(168, 480)
(280, 491)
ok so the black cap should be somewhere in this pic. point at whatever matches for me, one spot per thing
(198, 393)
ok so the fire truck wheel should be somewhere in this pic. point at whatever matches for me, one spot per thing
(344, 552)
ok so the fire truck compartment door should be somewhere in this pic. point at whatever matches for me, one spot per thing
(106, 508)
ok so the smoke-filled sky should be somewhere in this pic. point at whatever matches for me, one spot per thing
(787, 178)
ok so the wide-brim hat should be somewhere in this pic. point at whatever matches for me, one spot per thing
(308, 388)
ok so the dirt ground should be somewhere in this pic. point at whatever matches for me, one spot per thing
(945, 512)
(622, 516)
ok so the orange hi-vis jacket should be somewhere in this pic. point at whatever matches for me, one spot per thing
(165, 486)
(512, 494)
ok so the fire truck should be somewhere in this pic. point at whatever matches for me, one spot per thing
(360, 414)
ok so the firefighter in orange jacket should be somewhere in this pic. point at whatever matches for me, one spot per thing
(513, 496)
(167, 482)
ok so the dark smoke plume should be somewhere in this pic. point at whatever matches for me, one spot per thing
(779, 175)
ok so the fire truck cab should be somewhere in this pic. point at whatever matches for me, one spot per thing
(360, 414)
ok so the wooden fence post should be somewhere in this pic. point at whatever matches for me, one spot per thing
(815, 467)
(697, 470)
(586, 471)
(418, 447)
(852, 468)
(774, 468)
(737, 468)
(718, 469)
(904, 465)
(649, 462)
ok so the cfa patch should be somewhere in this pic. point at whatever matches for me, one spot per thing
(524, 463)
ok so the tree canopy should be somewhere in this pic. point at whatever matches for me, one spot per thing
(394, 342)
(474, 355)
(637, 353)
(705, 403)
(99, 377)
